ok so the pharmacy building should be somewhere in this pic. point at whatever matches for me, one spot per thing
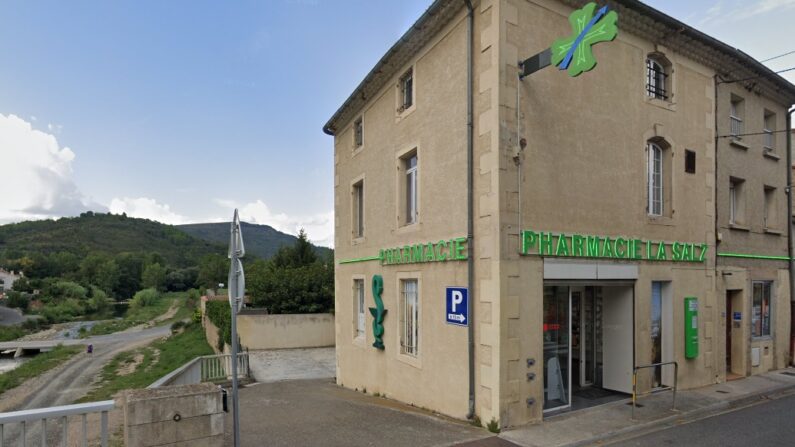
(536, 201)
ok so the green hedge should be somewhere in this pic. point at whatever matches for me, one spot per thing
(220, 314)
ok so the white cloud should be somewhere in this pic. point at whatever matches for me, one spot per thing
(37, 174)
(729, 11)
(319, 227)
(146, 208)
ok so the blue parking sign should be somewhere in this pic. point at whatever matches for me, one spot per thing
(457, 300)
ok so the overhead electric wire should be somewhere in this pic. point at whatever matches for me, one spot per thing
(779, 56)
(750, 134)
(756, 77)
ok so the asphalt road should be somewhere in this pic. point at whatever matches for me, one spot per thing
(64, 385)
(10, 316)
(766, 424)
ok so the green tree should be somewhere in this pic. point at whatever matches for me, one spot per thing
(131, 267)
(213, 269)
(301, 253)
(154, 277)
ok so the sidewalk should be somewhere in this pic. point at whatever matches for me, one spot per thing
(612, 422)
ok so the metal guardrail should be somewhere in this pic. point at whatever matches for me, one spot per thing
(664, 388)
(208, 368)
(26, 418)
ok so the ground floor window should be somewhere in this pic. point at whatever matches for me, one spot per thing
(409, 317)
(358, 294)
(760, 311)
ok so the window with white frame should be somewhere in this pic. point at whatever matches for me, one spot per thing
(358, 209)
(657, 77)
(736, 117)
(771, 208)
(358, 296)
(410, 166)
(656, 193)
(770, 131)
(409, 317)
(736, 201)
(760, 310)
(358, 133)
(406, 89)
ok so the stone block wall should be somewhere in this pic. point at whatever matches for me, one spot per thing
(185, 415)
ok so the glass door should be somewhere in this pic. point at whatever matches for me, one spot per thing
(557, 347)
(588, 349)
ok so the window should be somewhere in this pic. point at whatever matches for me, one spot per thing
(410, 167)
(409, 317)
(358, 296)
(770, 131)
(736, 120)
(358, 133)
(406, 86)
(656, 77)
(655, 180)
(736, 201)
(690, 161)
(771, 215)
(358, 209)
(760, 312)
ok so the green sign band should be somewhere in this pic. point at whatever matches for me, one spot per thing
(587, 246)
(445, 250)
(747, 256)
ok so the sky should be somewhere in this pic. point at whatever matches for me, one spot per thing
(180, 111)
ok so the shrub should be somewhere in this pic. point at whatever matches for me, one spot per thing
(145, 298)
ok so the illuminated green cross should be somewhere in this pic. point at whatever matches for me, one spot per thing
(574, 52)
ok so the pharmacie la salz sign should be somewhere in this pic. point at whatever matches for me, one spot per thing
(590, 246)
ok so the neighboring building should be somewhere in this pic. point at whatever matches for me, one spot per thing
(752, 263)
(7, 279)
(588, 241)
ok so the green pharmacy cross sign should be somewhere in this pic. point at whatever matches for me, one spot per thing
(589, 26)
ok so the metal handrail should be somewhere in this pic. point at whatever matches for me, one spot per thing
(26, 417)
(654, 365)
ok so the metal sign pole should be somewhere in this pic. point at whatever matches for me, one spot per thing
(236, 293)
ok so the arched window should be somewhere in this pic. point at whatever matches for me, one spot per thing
(656, 175)
(657, 71)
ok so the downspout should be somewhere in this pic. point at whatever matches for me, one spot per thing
(470, 211)
(789, 237)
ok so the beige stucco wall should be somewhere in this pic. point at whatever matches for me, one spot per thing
(436, 127)
(584, 171)
(259, 331)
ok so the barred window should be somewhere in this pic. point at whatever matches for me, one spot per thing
(409, 317)
(656, 79)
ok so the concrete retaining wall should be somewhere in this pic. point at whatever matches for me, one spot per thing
(259, 331)
(186, 415)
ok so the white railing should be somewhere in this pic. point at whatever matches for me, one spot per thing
(208, 368)
(26, 421)
(736, 127)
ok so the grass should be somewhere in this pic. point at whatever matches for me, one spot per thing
(159, 359)
(142, 315)
(36, 366)
(11, 332)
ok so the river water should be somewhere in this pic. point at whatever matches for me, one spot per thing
(8, 363)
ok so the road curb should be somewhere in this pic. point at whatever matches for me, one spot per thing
(693, 415)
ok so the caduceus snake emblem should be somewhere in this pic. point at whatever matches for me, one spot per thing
(378, 312)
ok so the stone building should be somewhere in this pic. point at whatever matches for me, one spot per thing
(584, 215)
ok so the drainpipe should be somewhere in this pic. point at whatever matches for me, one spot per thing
(789, 237)
(470, 212)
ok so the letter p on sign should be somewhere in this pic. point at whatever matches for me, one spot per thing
(457, 304)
